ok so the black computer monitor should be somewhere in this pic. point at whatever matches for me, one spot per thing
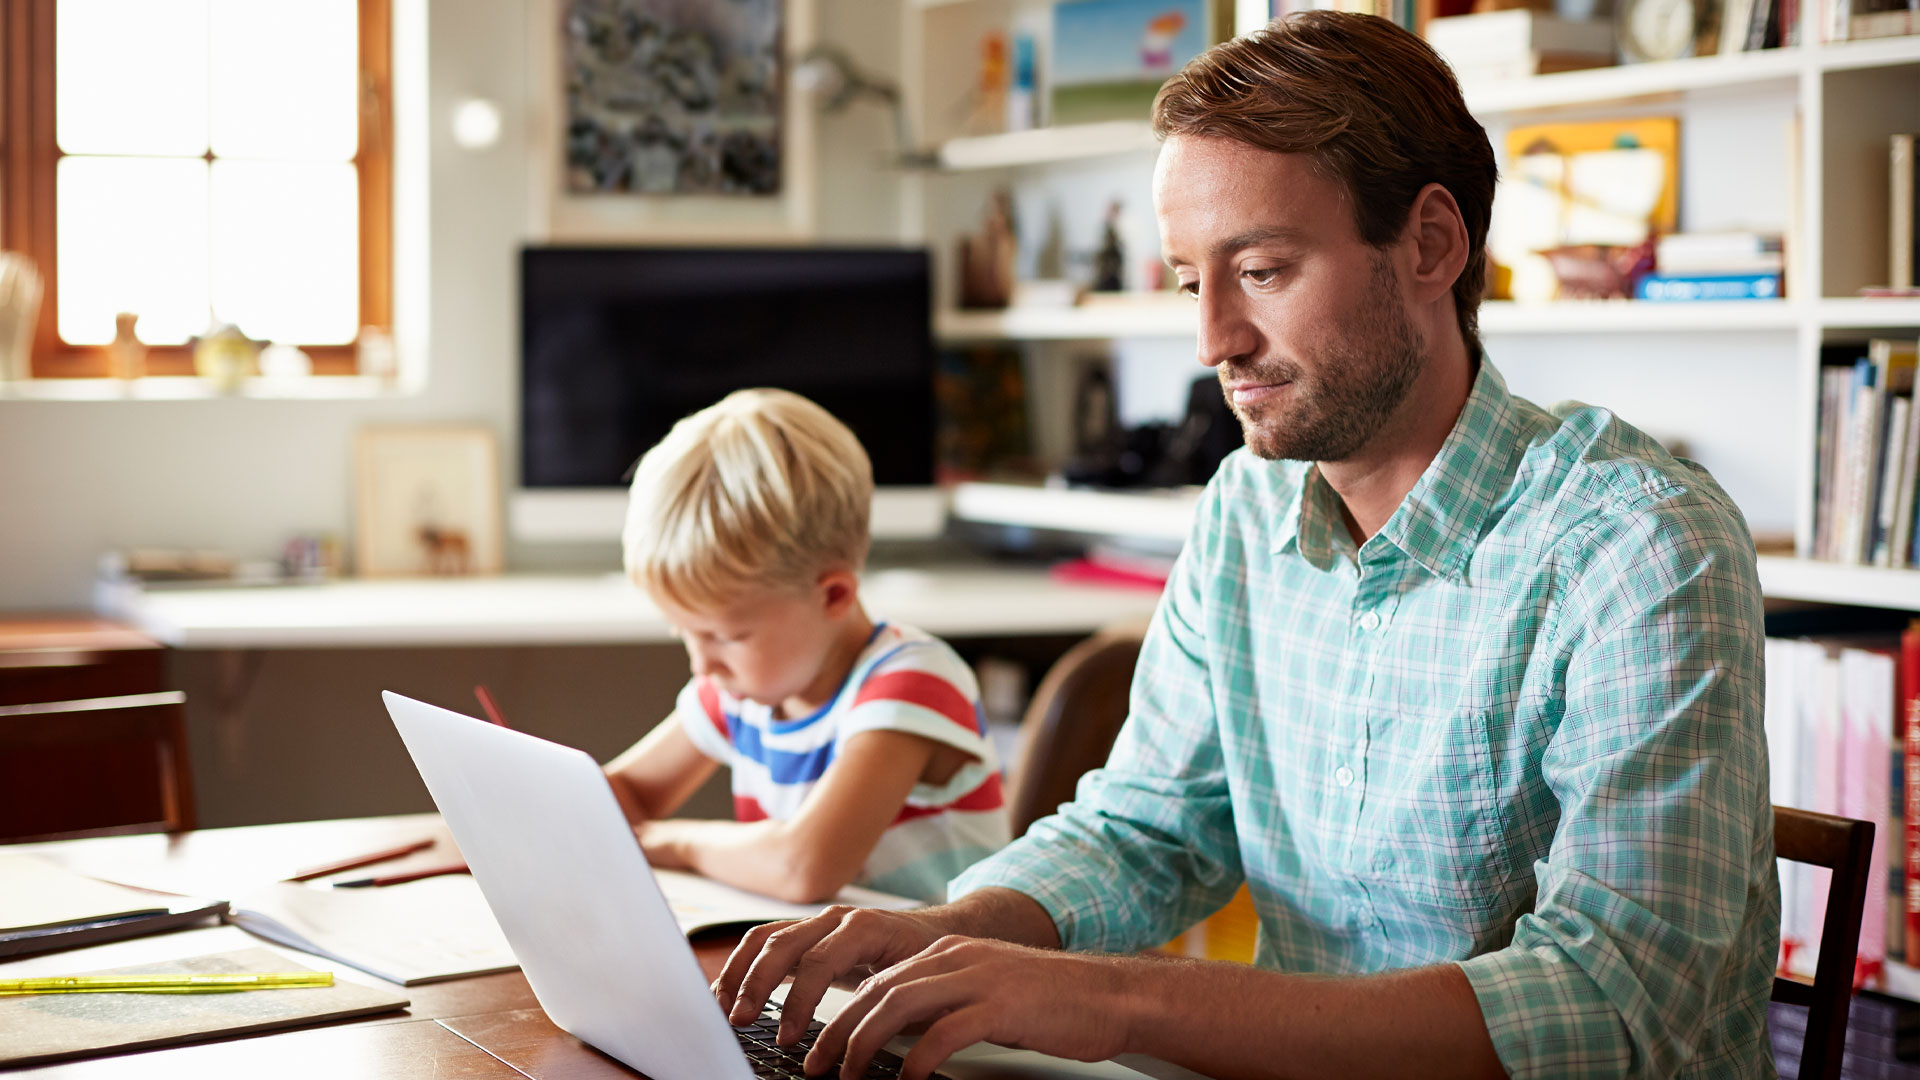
(617, 343)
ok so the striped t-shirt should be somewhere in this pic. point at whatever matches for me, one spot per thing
(904, 680)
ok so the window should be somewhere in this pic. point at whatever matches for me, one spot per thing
(195, 159)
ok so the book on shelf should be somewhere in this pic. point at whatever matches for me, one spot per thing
(1519, 43)
(1685, 288)
(1719, 253)
(1868, 456)
(1833, 742)
(1903, 213)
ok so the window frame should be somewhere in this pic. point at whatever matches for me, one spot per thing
(30, 156)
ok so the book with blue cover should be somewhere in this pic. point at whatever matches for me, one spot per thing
(1689, 287)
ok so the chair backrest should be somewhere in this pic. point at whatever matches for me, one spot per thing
(1844, 846)
(1071, 723)
(96, 766)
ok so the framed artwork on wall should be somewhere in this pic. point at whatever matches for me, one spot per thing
(669, 121)
(427, 502)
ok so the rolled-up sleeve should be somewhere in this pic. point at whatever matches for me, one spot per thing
(1147, 847)
(1659, 888)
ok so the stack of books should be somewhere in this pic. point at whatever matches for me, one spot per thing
(1869, 455)
(1519, 43)
(1715, 266)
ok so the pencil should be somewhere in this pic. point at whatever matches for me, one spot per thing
(169, 984)
(402, 877)
(490, 706)
(356, 861)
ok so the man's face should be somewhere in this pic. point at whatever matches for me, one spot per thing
(1304, 322)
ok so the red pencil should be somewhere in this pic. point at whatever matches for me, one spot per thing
(396, 879)
(491, 707)
(357, 861)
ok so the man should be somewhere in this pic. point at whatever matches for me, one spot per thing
(1467, 692)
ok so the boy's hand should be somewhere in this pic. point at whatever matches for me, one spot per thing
(838, 943)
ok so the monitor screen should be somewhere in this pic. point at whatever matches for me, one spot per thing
(618, 343)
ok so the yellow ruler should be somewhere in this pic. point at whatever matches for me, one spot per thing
(164, 984)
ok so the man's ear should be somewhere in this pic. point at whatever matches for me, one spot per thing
(1438, 234)
(838, 589)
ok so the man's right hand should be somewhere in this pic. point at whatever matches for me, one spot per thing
(837, 944)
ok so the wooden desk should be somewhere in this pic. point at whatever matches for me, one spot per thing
(481, 1028)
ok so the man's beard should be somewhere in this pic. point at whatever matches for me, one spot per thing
(1358, 383)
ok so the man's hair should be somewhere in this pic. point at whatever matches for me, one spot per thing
(1373, 106)
(762, 489)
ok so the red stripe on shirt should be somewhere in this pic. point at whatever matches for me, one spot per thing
(924, 689)
(748, 808)
(710, 701)
(985, 797)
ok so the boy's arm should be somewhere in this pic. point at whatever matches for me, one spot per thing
(655, 776)
(818, 851)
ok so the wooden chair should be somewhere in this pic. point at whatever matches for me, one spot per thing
(95, 766)
(1844, 846)
(1071, 723)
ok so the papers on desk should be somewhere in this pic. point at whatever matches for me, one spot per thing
(441, 928)
(422, 931)
(44, 906)
(53, 1027)
(702, 904)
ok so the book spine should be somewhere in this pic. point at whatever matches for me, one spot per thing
(1687, 287)
(1902, 237)
(1904, 498)
(1911, 761)
(1892, 452)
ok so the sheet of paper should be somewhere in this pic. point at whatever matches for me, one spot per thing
(37, 893)
(53, 1027)
(700, 903)
(422, 931)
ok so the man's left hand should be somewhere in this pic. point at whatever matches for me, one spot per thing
(965, 990)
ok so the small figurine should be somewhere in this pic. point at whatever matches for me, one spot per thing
(986, 257)
(127, 355)
(1110, 261)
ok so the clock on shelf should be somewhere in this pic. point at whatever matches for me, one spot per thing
(1665, 29)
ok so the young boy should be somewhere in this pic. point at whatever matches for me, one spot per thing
(858, 749)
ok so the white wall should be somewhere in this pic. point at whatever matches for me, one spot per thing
(79, 478)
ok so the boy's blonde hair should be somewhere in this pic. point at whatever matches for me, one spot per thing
(763, 488)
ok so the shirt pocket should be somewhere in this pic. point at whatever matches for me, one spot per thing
(1442, 843)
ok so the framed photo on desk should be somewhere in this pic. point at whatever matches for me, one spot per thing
(427, 502)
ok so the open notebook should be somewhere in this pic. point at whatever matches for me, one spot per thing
(441, 928)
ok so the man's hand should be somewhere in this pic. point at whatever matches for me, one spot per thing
(837, 943)
(967, 990)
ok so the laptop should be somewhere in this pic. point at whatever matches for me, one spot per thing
(564, 875)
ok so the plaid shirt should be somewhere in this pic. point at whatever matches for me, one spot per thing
(1519, 730)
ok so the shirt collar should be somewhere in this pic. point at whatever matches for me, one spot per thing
(1440, 520)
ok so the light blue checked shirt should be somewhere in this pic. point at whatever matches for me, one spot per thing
(1519, 729)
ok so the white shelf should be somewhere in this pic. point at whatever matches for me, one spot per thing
(1158, 515)
(1869, 312)
(1042, 146)
(1784, 577)
(1634, 81)
(1144, 315)
(953, 601)
(191, 388)
(1636, 316)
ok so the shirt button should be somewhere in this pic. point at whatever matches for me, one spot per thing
(1343, 775)
(1370, 621)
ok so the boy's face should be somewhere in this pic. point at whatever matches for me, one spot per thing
(767, 645)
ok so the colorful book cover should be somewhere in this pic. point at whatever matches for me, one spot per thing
(1694, 287)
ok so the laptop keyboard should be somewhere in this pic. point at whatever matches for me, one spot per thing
(772, 1060)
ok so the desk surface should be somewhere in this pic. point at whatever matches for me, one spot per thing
(483, 1027)
(597, 609)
